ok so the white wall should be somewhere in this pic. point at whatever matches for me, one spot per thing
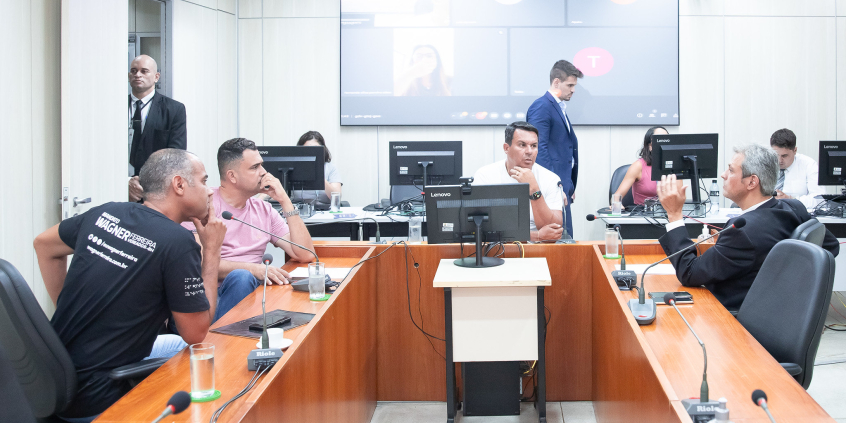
(747, 68)
(30, 175)
(204, 69)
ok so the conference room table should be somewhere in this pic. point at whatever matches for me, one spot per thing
(357, 225)
(362, 346)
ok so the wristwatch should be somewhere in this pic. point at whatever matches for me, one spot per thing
(295, 212)
(535, 195)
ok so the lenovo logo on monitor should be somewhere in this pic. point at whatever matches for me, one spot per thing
(397, 147)
(664, 140)
(440, 194)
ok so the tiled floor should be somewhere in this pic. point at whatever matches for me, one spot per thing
(828, 388)
(435, 412)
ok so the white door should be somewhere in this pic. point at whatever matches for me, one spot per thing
(95, 140)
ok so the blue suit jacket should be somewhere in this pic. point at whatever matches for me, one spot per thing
(558, 149)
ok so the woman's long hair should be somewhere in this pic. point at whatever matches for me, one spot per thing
(645, 154)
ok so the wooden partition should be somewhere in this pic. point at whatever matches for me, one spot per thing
(405, 354)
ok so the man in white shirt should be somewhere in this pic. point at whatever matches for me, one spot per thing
(797, 176)
(519, 167)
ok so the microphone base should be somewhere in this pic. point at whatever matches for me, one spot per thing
(263, 358)
(625, 279)
(700, 411)
(566, 241)
(644, 313)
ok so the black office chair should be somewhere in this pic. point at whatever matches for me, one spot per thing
(13, 404)
(44, 368)
(786, 306)
(812, 231)
(617, 179)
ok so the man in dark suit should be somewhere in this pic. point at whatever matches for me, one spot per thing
(729, 267)
(558, 147)
(155, 121)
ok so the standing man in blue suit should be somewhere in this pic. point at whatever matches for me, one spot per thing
(558, 147)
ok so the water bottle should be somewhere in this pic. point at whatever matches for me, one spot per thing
(715, 198)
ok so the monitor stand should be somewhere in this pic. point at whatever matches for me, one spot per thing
(480, 260)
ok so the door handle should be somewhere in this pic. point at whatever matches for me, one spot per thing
(77, 201)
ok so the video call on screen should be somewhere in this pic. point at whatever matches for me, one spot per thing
(483, 62)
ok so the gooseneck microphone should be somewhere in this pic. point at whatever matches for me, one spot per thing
(265, 341)
(228, 216)
(175, 405)
(697, 409)
(644, 309)
(622, 248)
(264, 356)
(760, 399)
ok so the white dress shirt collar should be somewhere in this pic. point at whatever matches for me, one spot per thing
(143, 100)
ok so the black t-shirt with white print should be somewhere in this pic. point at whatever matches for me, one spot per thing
(131, 267)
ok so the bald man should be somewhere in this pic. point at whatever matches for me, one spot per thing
(155, 121)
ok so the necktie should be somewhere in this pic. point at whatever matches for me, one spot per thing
(563, 107)
(780, 182)
(136, 133)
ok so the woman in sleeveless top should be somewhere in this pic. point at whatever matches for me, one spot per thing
(639, 176)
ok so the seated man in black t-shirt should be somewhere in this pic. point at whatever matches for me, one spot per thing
(133, 266)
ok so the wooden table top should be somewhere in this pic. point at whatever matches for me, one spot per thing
(737, 363)
(147, 400)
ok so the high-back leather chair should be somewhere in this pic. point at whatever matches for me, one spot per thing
(617, 179)
(786, 306)
(812, 231)
(13, 403)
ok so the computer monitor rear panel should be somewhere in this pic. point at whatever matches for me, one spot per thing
(668, 152)
(832, 162)
(445, 158)
(301, 167)
(506, 206)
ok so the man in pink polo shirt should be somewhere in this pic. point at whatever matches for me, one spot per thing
(242, 177)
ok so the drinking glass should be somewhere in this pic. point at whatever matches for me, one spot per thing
(316, 281)
(202, 370)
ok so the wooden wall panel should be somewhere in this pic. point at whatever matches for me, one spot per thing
(626, 378)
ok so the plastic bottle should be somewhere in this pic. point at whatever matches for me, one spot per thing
(715, 198)
(705, 233)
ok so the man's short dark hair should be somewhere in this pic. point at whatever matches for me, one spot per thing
(783, 138)
(232, 151)
(562, 70)
(513, 126)
(158, 171)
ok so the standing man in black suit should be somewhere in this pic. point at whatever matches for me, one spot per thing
(155, 121)
(729, 267)
(558, 147)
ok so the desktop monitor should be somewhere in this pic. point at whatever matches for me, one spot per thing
(688, 156)
(296, 167)
(438, 162)
(832, 163)
(477, 213)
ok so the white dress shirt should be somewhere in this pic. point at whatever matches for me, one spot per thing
(563, 107)
(800, 180)
(496, 173)
(145, 103)
(144, 112)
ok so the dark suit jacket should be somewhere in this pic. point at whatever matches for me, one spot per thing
(164, 128)
(557, 147)
(729, 267)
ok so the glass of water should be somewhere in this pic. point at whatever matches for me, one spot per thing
(616, 204)
(415, 230)
(335, 202)
(316, 281)
(202, 370)
(612, 244)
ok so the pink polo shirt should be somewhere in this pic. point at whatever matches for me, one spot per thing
(243, 243)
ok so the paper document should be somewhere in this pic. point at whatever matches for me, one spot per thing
(660, 269)
(336, 273)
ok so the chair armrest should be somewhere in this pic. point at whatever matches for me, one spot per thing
(138, 370)
(733, 313)
(792, 368)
